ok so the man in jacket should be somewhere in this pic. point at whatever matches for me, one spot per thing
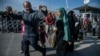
(31, 20)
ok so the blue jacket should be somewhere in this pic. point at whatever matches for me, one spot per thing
(31, 21)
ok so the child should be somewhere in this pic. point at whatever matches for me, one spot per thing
(22, 30)
(80, 35)
(42, 35)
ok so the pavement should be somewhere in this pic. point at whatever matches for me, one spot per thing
(10, 45)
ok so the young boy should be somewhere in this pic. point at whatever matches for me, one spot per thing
(22, 30)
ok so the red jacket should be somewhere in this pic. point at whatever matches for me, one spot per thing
(49, 22)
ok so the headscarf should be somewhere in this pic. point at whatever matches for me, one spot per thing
(48, 21)
(63, 16)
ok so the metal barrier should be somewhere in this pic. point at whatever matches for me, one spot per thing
(0, 23)
(10, 25)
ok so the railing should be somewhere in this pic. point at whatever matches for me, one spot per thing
(10, 25)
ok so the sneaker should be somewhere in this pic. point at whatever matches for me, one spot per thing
(21, 52)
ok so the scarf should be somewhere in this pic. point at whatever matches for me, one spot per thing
(63, 16)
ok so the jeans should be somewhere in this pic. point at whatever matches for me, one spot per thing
(33, 41)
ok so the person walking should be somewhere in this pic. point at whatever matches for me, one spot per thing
(49, 20)
(63, 36)
(31, 19)
(22, 31)
(74, 34)
(94, 26)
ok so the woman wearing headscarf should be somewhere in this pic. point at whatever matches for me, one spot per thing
(73, 29)
(63, 36)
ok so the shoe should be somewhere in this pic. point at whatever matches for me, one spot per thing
(99, 37)
(44, 52)
(21, 52)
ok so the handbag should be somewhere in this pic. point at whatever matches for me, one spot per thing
(52, 39)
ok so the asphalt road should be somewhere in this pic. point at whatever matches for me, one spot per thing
(10, 45)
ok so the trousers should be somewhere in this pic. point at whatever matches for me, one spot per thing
(33, 41)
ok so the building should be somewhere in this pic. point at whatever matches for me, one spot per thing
(89, 11)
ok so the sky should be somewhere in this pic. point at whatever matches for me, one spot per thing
(51, 4)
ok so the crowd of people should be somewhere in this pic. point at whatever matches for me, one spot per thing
(40, 25)
(7, 23)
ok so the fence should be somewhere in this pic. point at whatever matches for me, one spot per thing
(10, 25)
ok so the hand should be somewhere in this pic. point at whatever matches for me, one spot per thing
(69, 43)
(54, 29)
